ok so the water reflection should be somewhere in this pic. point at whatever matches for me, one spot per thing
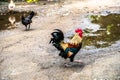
(8, 20)
(12, 20)
(108, 32)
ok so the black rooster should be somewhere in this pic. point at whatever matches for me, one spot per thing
(67, 50)
(28, 20)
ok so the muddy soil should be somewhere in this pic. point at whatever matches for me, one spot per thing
(27, 55)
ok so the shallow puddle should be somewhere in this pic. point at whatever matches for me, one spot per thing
(8, 20)
(106, 32)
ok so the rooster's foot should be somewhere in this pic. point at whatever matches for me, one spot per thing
(79, 61)
(68, 64)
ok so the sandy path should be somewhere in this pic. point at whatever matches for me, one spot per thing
(28, 56)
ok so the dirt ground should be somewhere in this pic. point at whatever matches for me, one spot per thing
(27, 55)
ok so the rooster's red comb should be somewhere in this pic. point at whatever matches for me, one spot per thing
(79, 31)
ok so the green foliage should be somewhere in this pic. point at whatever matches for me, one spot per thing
(94, 18)
(109, 26)
(29, 1)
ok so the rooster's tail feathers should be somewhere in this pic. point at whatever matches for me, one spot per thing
(58, 33)
(59, 30)
(61, 33)
(57, 36)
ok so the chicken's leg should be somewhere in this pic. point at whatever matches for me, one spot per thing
(29, 27)
(26, 28)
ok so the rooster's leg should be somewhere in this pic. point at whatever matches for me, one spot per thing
(65, 60)
(69, 64)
